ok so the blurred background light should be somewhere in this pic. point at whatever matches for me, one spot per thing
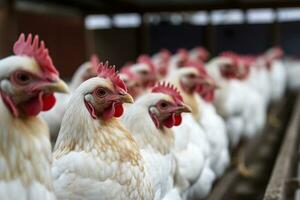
(234, 16)
(257, 16)
(130, 20)
(199, 18)
(288, 14)
(93, 22)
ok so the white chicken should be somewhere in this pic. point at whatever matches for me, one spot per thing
(178, 60)
(259, 78)
(293, 74)
(161, 110)
(240, 104)
(212, 123)
(161, 62)
(27, 82)
(198, 54)
(190, 138)
(277, 73)
(145, 70)
(95, 157)
(54, 116)
(132, 82)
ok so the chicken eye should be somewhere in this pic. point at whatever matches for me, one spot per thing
(163, 105)
(101, 92)
(22, 78)
(144, 72)
(192, 76)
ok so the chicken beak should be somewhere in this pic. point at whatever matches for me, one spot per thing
(217, 86)
(183, 108)
(126, 98)
(58, 86)
(213, 84)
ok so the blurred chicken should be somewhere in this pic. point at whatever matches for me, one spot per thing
(132, 82)
(259, 77)
(160, 110)
(54, 117)
(27, 83)
(199, 54)
(190, 138)
(178, 60)
(95, 157)
(161, 61)
(293, 73)
(84, 72)
(277, 72)
(212, 123)
(239, 103)
(145, 70)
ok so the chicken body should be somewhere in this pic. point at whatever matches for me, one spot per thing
(215, 129)
(278, 80)
(240, 104)
(293, 73)
(277, 72)
(157, 144)
(95, 158)
(212, 124)
(259, 79)
(25, 158)
(27, 83)
(191, 140)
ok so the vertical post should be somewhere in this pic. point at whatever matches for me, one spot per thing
(8, 29)
(210, 40)
(276, 31)
(142, 37)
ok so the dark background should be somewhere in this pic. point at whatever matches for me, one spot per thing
(61, 24)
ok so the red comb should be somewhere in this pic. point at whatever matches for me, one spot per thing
(95, 61)
(233, 56)
(36, 49)
(228, 54)
(147, 60)
(276, 52)
(168, 88)
(183, 57)
(183, 53)
(108, 71)
(203, 53)
(198, 65)
(165, 53)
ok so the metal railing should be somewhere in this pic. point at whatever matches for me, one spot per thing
(280, 184)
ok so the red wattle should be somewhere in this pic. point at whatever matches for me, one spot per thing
(228, 74)
(91, 109)
(155, 120)
(118, 110)
(169, 123)
(178, 120)
(109, 112)
(33, 106)
(115, 110)
(49, 101)
(10, 104)
(172, 121)
(199, 89)
(208, 96)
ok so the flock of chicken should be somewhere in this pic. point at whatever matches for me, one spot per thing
(173, 140)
